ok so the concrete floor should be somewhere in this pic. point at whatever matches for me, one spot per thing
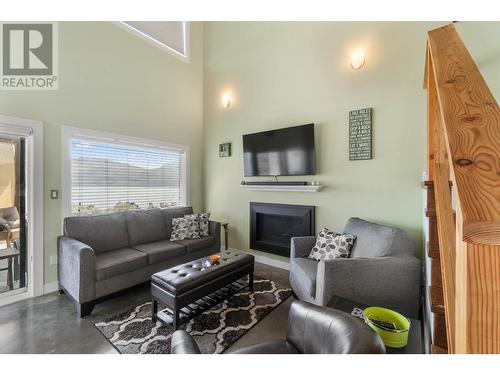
(49, 324)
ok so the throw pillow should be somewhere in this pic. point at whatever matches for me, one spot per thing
(203, 220)
(331, 245)
(184, 228)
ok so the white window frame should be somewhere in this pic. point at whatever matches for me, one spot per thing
(33, 131)
(185, 34)
(69, 132)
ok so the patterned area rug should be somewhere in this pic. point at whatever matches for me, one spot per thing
(215, 330)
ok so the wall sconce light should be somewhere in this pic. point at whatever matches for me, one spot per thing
(357, 58)
(226, 100)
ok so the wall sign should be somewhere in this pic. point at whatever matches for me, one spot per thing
(224, 150)
(360, 134)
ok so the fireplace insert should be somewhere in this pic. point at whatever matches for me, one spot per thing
(273, 225)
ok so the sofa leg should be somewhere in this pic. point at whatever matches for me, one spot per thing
(86, 308)
(61, 291)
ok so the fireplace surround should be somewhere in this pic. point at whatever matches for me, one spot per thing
(273, 225)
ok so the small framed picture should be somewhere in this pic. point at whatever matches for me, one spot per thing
(224, 150)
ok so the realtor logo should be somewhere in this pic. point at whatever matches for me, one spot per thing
(28, 56)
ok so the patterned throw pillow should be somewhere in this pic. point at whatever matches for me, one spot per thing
(184, 228)
(331, 245)
(204, 219)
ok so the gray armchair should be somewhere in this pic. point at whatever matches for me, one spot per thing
(382, 270)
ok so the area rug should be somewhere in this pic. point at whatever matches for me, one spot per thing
(215, 330)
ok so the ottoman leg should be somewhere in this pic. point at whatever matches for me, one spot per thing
(154, 310)
(250, 281)
(175, 317)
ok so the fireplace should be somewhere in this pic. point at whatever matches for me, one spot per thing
(273, 225)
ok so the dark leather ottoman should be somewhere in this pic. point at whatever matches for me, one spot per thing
(191, 287)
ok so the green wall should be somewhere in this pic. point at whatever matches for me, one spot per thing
(291, 73)
(482, 41)
(110, 80)
(279, 74)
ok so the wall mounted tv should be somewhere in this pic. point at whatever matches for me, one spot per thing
(280, 152)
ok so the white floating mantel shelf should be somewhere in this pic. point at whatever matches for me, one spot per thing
(289, 188)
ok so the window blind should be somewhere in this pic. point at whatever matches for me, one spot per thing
(111, 177)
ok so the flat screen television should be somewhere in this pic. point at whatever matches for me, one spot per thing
(281, 152)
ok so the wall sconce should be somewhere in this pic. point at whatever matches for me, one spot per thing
(226, 100)
(357, 59)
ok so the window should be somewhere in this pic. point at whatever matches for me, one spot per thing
(114, 174)
(171, 36)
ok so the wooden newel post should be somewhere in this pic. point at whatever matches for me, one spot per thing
(463, 133)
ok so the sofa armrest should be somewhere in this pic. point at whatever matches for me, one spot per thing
(392, 282)
(300, 247)
(76, 269)
(214, 230)
(183, 343)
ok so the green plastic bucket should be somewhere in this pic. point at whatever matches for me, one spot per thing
(396, 337)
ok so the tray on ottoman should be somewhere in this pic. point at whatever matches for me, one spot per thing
(191, 288)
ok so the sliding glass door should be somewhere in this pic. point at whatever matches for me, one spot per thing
(13, 204)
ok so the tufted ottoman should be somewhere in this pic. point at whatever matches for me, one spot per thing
(191, 288)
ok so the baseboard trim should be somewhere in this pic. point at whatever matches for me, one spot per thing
(50, 287)
(14, 296)
(272, 262)
(267, 261)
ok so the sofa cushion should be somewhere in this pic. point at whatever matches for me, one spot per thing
(160, 251)
(170, 213)
(197, 244)
(304, 272)
(375, 240)
(101, 232)
(145, 226)
(117, 262)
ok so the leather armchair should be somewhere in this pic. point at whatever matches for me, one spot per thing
(311, 330)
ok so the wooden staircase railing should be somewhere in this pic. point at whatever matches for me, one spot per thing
(464, 151)
(435, 292)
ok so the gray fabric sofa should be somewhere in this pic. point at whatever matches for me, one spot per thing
(382, 270)
(103, 254)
